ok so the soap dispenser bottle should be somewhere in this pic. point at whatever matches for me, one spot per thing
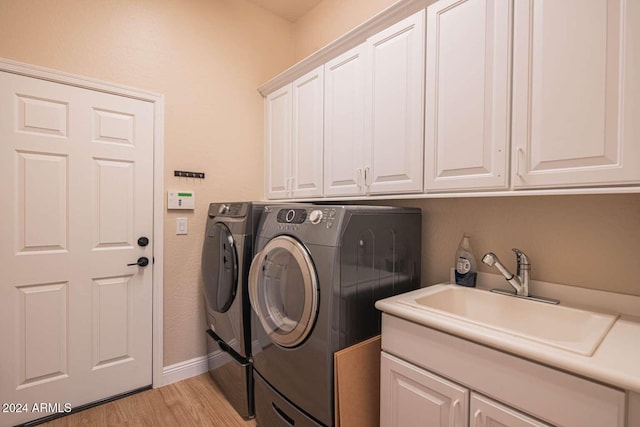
(465, 263)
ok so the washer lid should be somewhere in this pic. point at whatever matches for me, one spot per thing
(219, 267)
(283, 288)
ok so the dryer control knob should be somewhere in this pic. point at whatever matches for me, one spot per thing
(223, 209)
(315, 216)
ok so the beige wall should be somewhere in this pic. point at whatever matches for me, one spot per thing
(331, 19)
(207, 57)
(586, 241)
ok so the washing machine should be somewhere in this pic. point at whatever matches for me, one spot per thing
(313, 282)
(226, 255)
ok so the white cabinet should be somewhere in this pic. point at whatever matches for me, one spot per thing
(278, 143)
(394, 108)
(572, 117)
(344, 124)
(374, 114)
(294, 136)
(410, 396)
(467, 95)
(486, 412)
(523, 393)
(576, 93)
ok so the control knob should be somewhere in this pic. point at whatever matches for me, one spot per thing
(223, 209)
(315, 216)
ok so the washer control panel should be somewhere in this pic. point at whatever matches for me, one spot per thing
(294, 218)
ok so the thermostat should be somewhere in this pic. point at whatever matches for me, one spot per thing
(181, 200)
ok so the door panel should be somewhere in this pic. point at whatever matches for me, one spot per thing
(411, 396)
(344, 124)
(394, 101)
(77, 174)
(278, 143)
(308, 96)
(488, 413)
(467, 95)
(574, 105)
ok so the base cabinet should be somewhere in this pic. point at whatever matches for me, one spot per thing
(486, 412)
(503, 389)
(411, 396)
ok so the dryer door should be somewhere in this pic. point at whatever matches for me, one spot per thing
(219, 267)
(283, 289)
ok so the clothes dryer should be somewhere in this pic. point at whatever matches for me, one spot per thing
(313, 283)
(226, 256)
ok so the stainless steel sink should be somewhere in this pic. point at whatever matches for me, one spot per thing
(571, 329)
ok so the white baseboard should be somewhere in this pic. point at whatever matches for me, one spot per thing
(189, 368)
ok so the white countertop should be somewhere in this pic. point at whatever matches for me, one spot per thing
(616, 361)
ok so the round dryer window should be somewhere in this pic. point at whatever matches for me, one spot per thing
(219, 268)
(283, 289)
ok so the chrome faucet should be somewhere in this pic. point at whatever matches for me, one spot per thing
(519, 281)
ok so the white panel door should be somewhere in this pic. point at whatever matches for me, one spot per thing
(488, 413)
(277, 126)
(410, 396)
(344, 124)
(308, 111)
(576, 100)
(394, 107)
(77, 179)
(467, 95)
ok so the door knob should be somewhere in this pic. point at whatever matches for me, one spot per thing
(143, 241)
(143, 261)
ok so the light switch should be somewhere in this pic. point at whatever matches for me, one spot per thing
(181, 226)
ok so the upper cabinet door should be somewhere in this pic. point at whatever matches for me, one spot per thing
(394, 100)
(278, 143)
(308, 93)
(344, 124)
(467, 95)
(576, 93)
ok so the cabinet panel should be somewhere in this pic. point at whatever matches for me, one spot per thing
(344, 124)
(467, 94)
(307, 93)
(410, 396)
(488, 413)
(394, 85)
(527, 386)
(575, 68)
(278, 143)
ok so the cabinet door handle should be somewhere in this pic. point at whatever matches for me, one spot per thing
(519, 153)
(359, 177)
(477, 419)
(456, 411)
(367, 176)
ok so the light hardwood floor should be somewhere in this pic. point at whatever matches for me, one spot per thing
(195, 401)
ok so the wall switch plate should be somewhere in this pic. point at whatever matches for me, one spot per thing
(182, 226)
(181, 199)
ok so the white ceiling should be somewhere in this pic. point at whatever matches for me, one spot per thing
(290, 10)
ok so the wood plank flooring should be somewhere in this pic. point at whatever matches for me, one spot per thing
(195, 401)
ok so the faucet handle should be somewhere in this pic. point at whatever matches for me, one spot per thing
(523, 261)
